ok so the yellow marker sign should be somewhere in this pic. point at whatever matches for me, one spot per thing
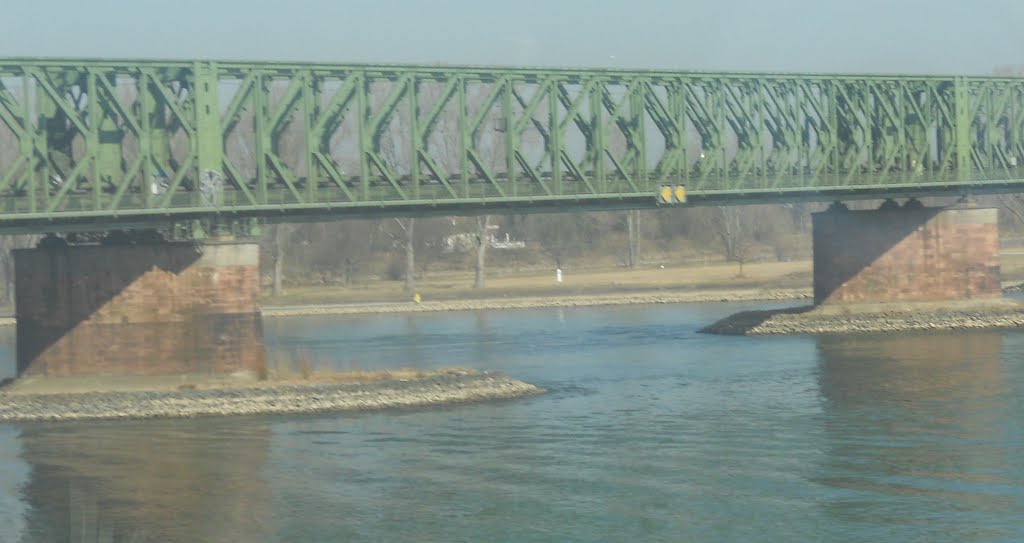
(666, 194)
(672, 195)
(680, 194)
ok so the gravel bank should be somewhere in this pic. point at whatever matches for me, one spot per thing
(263, 399)
(547, 301)
(807, 320)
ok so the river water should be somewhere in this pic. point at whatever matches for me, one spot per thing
(649, 432)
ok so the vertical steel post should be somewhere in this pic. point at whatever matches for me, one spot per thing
(47, 117)
(209, 136)
(465, 139)
(555, 141)
(962, 105)
(637, 121)
(109, 137)
(416, 145)
(92, 139)
(599, 136)
(365, 137)
(261, 136)
(145, 100)
(160, 136)
(308, 113)
(683, 114)
(33, 144)
(511, 138)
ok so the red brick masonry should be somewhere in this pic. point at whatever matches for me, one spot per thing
(923, 254)
(162, 309)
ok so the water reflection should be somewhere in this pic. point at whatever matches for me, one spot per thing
(917, 418)
(195, 480)
(916, 369)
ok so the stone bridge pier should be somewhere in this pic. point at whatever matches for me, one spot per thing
(147, 309)
(908, 253)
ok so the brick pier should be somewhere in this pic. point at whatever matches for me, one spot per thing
(910, 253)
(139, 310)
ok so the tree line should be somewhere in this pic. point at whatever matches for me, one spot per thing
(347, 252)
(350, 251)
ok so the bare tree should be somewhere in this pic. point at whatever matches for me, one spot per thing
(280, 235)
(734, 231)
(563, 235)
(483, 240)
(408, 227)
(633, 238)
(336, 250)
(277, 237)
(430, 241)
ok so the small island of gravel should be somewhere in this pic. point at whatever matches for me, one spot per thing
(874, 318)
(320, 393)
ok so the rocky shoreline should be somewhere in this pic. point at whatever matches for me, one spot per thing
(263, 398)
(881, 318)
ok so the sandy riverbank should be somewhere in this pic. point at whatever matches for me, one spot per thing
(874, 318)
(527, 302)
(701, 296)
(264, 398)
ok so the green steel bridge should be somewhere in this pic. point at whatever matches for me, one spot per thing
(98, 145)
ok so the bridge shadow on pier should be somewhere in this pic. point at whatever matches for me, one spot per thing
(59, 287)
(846, 243)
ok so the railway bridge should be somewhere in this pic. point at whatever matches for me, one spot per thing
(146, 174)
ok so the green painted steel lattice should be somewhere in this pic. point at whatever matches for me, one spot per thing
(94, 145)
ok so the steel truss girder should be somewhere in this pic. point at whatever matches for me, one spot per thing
(97, 142)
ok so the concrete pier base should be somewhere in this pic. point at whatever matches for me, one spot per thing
(909, 253)
(157, 309)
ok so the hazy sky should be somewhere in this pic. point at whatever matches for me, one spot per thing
(889, 36)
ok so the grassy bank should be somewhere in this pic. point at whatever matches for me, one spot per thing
(453, 286)
(457, 286)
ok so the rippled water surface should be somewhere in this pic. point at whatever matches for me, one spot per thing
(649, 432)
